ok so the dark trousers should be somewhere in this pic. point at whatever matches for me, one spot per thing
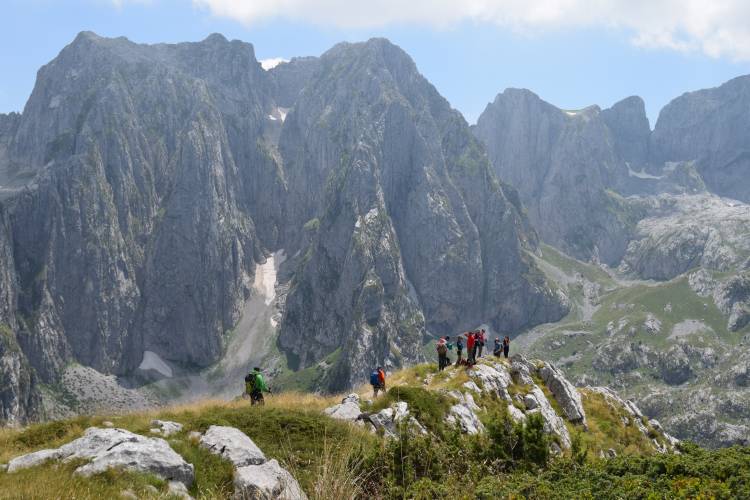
(505, 350)
(481, 346)
(473, 354)
(442, 361)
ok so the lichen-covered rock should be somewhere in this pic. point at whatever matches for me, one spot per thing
(466, 419)
(33, 459)
(553, 423)
(564, 392)
(115, 448)
(464, 414)
(521, 370)
(516, 414)
(389, 420)
(493, 378)
(266, 481)
(233, 445)
(347, 410)
(165, 427)
(150, 455)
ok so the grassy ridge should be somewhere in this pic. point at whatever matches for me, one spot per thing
(332, 459)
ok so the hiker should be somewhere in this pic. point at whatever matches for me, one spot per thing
(255, 385)
(459, 350)
(442, 351)
(449, 345)
(471, 348)
(481, 342)
(377, 381)
(506, 346)
(498, 350)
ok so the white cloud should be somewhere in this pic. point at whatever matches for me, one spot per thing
(272, 62)
(718, 28)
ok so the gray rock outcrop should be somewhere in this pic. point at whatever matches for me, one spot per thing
(266, 481)
(115, 448)
(564, 392)
(732, 297)
(348, 409)
(232, 444)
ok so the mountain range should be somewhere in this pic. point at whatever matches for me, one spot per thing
(147, 191)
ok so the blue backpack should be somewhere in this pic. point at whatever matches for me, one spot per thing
(374, 379)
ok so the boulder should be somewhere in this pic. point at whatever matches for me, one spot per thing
(166, 428)
(494, 379)
(652, 324)
(32, 459)
(564, 392)
(179, 490)
(117, 448)
(142, 455)
(465, 399)
(516, 414)
(530, 402)
(521, 370)
(553, 423)
(465, 418)
(347, 410)
(389, 419)
(351, 398)
(233, 445)
(267, 481)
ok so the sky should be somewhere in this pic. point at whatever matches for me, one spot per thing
(572, 53)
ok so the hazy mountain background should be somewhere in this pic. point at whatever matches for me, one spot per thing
(173, 213)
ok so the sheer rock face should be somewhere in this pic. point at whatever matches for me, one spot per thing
(630, 129)
(142, 183)
(712, 127)
(19, 397)
(562, 163)
(146, 164)
(414, 232)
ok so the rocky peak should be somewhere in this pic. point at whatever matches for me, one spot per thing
(630, 129)
(711, 127)
(561, 162)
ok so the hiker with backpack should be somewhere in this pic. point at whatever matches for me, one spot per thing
(481, 342)
(377, 381)
(442, 351)
(459, 350)
(255, 386)
(498, 349)
(471, 348)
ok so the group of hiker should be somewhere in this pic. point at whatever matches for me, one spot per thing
(475, 341)
(255, 384)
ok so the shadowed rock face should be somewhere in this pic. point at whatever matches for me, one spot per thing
(562, 163)
(711, 127)
(414, 229)
(142, 184)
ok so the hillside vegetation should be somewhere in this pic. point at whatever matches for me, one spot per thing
(336, 459)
